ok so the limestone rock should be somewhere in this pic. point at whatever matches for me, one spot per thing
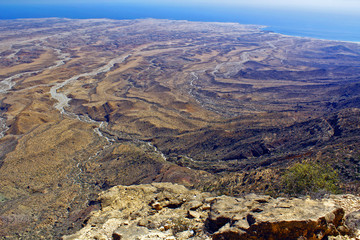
(129, 232)
(171, 211)
(353, 222)
(153, 211)
(259, 217)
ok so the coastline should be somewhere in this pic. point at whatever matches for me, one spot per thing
(290, 22)
(259, 27)
(305, 36)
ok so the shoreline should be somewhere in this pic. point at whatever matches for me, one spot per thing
(264, 28)
(268, 29)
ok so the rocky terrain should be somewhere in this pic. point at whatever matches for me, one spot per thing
(86, 105)
(169, 211)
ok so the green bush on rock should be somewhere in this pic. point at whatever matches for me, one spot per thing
(309, 178)
(2, 198)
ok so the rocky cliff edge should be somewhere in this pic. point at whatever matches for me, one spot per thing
(169, 211)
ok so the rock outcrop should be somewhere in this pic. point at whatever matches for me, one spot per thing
(171, 211)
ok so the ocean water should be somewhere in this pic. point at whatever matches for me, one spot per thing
(339, 26)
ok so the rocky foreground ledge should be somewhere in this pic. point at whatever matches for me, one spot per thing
(170, 211)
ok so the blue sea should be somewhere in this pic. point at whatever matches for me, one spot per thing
(332, 26)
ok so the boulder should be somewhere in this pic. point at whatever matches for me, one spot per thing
(262, 217)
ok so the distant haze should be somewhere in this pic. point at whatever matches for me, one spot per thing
(345, 6)
(323, 19)
(322, 5)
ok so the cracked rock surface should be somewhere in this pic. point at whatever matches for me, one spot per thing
(170, 211)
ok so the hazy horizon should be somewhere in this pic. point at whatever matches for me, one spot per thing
(331, 19)
(337, 6)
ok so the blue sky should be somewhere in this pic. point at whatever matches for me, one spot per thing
(345, 6)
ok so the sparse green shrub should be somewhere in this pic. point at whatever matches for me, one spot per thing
(2, 198)
(309, 178)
